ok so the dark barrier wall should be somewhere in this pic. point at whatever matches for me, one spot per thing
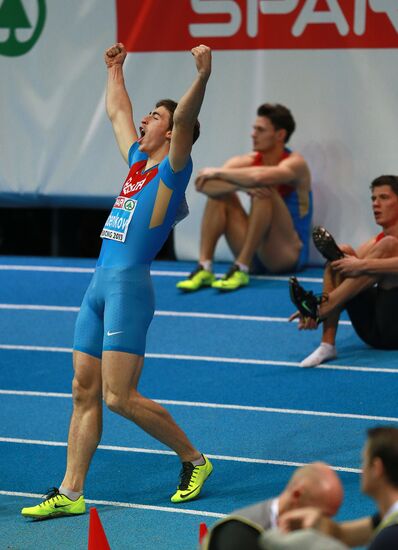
(68, 232)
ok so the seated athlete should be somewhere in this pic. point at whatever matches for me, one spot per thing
(118, 306)
(274, 235)
(364, 282)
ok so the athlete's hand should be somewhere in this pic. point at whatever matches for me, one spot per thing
(204, 175)
(304, 323)
(349, 266)
(115, 55)
(259, 192)
(202, 55)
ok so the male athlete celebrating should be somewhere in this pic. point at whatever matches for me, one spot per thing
(118, 306)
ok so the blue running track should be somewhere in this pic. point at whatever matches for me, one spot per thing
(227, 368)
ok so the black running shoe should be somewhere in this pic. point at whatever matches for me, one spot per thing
(325, 244)
(305, 300)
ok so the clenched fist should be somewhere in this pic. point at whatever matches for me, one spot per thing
(115, 55)
(202, 55)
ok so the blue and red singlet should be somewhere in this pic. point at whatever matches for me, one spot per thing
(144, 212)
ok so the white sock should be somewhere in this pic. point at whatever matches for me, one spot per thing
(207, 265)
(325, 352)
(72, 495)
(242, 267)
(199, 461)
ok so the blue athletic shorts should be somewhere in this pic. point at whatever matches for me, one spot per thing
(116, 311)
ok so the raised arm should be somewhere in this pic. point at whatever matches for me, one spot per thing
(118, 104)
(187, 110)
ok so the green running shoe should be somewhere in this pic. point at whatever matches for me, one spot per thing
(192, 480)
(54, 505)
(235, 278)
(305, 300)
(197, 279)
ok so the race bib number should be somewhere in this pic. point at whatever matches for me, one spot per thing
(117, 224)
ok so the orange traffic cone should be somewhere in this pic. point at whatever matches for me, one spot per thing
(202, 532)
(96, 534)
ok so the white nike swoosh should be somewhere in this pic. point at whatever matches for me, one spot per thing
(109, 333)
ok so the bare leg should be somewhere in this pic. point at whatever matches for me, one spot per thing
(331, 280)
(350, 287)
(327, 350)
(222, 216)
(86, 422)
(331, 323)
(260, 218)
(121, 373)
(277, 243)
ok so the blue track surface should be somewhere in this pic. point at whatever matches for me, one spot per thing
(224, 365)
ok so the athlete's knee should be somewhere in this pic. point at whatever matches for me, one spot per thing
(86, 384)
(85, 392)
(231, 201)
(121, 402)
(347, 249)
(387, 247)
(263, 195)
(216, 207)
(114, 401)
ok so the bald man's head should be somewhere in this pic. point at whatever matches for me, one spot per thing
(315, 484)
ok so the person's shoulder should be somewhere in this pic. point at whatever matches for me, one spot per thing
(167, 172)
(241, 161)
(295, 162)
(295, 156)
(252, 157)
(372, 240)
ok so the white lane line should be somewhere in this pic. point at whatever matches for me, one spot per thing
(154, 272)
(164, 313)
(249, 408)
(35, 348)
(48, 268)
(276, 410)
(36, 393)
(254, 277)
(125, 505)
(161, 452)
(34, 307)
(258, 318)
(211, 359)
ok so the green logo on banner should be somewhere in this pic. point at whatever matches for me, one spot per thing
(13, 17)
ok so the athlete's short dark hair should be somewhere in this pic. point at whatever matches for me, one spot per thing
(383, 443)
(392, 181)
(280, 117)
(171, 106)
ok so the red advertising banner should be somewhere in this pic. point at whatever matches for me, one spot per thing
(176, 25)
